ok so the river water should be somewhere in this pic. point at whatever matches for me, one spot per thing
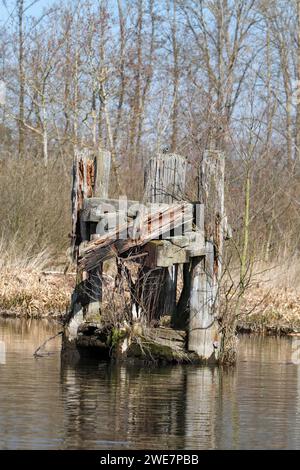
(46, 404)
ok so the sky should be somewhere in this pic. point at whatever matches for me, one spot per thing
(35, 10)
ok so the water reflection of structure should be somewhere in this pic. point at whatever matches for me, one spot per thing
(253, 406)
(121, 407)
(46, 404)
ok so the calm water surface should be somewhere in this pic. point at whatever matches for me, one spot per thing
(45, 404)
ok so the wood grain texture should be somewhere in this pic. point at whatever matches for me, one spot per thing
(206, 272)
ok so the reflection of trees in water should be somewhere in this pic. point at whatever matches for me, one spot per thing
(257, 401)
(30, 401)
(26, 334)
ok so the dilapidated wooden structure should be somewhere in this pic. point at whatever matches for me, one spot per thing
(167, 249)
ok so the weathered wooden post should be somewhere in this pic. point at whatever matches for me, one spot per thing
(165, 178)
(82, 187)
(206, 270)
(165, 184)
(90, 178)
(173, 233)
(102, 165)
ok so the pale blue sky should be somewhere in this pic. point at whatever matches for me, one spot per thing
(35, 10)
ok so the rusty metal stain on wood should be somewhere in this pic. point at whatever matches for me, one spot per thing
(84, 185)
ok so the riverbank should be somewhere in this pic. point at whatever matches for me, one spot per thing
(270, 310)
(34, 293)
(39, 294)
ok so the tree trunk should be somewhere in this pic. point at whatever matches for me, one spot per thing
(21, 128)
(298, 86)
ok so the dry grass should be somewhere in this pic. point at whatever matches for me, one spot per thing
(28, 292)
(12, 258)
(35, 210)
(25, 287)
(273, 309)
(272, 302)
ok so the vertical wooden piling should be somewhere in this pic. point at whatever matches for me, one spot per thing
(102, 166)
(82, 187)
(165, 178)
(90, 178)
(165, 183)
(206, 271)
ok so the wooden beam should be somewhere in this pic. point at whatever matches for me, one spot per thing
(101, 187)
(117, 241)
(82, 187)
(94, 207)
(174, 250)
(90, 176)
(165, 183)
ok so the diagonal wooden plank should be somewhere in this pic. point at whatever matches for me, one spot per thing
(152, 227)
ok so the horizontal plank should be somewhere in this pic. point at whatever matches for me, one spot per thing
(176, 339)
(169, 333)
(94, 207)
(93, 202)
